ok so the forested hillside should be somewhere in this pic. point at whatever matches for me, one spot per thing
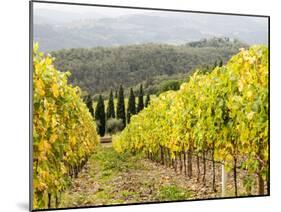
(99, 69)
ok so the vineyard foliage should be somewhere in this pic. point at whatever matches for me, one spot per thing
(224, 112)
(64, 132)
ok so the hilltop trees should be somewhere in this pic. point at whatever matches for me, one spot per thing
(106, 65)
(169, 85)
(100, 116)
(120, 112)
(140, 100)
(147, 100)
(110, 112)
(131, 105)
(89, 102)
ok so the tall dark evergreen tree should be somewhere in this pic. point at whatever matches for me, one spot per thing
(110, 112)
(120, 112)
(220, 63)
(215, 64)
(147, 100)
(131, 105)
(116, 94)
(100, 116)
(140, 102)
(89, 103)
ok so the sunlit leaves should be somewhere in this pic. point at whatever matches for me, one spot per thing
(64, 133)
(227, 107)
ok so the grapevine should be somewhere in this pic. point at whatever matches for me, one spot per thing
(64, 133)
(222, 114)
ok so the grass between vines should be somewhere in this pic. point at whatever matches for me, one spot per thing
(110, 178)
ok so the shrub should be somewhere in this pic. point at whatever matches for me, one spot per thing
(114, 125)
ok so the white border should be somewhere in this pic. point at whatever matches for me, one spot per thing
(14, 104)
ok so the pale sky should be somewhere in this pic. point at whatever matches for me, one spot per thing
(106, 11)
(115, 12)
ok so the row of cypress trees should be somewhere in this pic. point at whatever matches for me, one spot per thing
(132, 108)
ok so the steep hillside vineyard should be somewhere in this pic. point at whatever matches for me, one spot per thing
(221, 115)
(64, 133)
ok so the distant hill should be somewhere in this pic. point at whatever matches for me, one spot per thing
(53, 31)
(99, 69)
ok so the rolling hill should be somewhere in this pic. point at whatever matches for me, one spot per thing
(54, 32)
(100, 69)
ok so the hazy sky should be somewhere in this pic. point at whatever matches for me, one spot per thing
(106, 11)
(109, 12)
(140, 26)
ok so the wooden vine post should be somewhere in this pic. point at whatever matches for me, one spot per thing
(223, 181)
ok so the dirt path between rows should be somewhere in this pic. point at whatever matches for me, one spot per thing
(109, 178)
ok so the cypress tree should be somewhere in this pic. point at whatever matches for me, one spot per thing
(140, 102)
(100, 116)
(89, 103)
(116, 96)
(147, 100)
(215, 64)
(110, 112)
(120, 113)
(131, 105)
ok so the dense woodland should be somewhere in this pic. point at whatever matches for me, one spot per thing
(100, 69)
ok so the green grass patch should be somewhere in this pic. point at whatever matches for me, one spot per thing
(76, 199)
(172, 192)
(126, 193)
(111, 163)
(104, 195)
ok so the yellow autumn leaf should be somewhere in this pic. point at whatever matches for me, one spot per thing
(54, 121)
(53, 138)
(228, 158)
(44, 146)
(240, 85)
(250, 115)
(55, 90)
(63, 169)
(249, 94)
(48, 61)
(39, 85)
(72, 140)
(42, 186)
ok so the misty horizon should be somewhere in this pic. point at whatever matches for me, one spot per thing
(71, 26)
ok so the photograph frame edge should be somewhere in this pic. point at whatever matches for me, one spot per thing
(31, 36)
